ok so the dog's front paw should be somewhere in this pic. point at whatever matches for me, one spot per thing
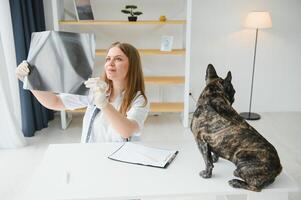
(235, 183)
(205, 174)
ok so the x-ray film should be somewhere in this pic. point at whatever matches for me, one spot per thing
(60, 62)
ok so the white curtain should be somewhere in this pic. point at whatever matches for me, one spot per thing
(11, 135)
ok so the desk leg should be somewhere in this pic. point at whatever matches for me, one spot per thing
(267, 196)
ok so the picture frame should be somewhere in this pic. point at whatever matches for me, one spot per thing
(166, 43)
(83, 10)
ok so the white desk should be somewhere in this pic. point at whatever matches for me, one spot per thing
(94, 176)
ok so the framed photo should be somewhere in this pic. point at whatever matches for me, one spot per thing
(83, 10)
(166, 43)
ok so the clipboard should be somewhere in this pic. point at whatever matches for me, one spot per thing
(138, 154)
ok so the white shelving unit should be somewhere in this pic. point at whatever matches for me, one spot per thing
(60, 24)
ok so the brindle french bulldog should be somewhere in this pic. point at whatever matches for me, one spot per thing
(220, 131)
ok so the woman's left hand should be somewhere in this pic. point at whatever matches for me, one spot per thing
(99, 89)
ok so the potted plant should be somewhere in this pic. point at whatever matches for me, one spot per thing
(129, 10)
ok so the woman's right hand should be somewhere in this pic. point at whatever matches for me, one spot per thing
(99, 89)
(22, 70)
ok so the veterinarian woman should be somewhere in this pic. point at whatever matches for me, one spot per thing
(116, 105)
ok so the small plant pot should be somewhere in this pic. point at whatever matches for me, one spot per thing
(132, 18)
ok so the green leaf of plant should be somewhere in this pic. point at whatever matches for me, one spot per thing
(126, 11)
(130, 6)
(137, 13)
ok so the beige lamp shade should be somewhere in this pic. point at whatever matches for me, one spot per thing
(258, 19)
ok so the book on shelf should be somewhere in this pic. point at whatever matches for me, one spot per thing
(83, 10)
(134, 153)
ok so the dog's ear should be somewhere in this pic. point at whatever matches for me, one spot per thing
(228, 77)
(210, 73)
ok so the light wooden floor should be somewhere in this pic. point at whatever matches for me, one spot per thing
(18, 165)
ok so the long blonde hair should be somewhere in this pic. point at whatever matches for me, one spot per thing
(134, 77)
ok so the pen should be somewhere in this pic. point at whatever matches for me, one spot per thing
(67, 177)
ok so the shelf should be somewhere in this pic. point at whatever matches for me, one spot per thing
(154, 107)
(120, 22)
(164, 79)
(180, 25)
(167, 107)
(103, 52)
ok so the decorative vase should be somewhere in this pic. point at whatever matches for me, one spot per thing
(162, 18)
(132, 18)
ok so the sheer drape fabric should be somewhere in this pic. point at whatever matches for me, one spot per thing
(10, 129)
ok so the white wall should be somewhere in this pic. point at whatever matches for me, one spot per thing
(219, 38)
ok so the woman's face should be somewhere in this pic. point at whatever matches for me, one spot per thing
(117, 65)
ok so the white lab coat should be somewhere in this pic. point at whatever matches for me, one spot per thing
(102, 131)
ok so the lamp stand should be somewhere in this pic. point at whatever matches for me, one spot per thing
(249, 115)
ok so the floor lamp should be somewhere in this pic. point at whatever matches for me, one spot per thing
(256, 20)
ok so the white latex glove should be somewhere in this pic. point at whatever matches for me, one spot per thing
(22, 70)
(99, 88)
